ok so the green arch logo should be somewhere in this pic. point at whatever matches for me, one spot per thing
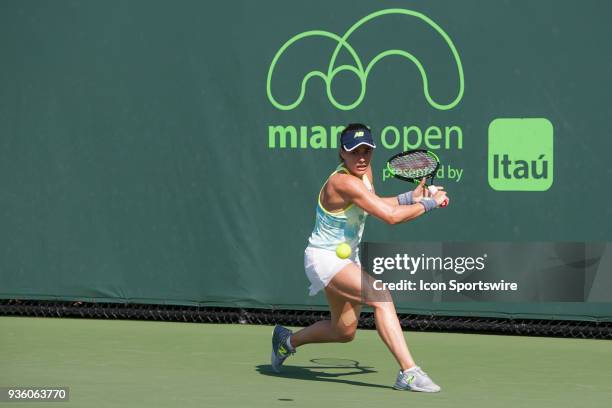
(357, 68)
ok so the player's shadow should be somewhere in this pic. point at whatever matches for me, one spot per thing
(334, 371)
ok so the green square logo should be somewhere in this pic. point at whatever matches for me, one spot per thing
(521, 154)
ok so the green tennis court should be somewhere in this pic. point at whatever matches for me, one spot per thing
(157, 364)
(178, 177)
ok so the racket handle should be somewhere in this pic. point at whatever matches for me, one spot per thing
(433, 190)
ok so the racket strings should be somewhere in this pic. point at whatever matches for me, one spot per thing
(413, 165)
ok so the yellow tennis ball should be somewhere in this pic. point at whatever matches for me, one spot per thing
(343, 250)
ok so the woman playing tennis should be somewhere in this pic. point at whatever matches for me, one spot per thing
(344, 201)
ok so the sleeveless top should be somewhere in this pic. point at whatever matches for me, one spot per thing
(334, 228)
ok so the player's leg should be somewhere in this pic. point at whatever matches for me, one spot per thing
(340, 328)
(347, 285)
(351, 285)
(320, 266)
(344, 295)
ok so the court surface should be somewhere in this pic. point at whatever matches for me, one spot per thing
(113, 363)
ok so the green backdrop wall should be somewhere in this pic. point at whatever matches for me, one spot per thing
(140, 141)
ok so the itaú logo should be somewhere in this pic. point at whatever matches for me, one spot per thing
(521, 154)
(358, 68)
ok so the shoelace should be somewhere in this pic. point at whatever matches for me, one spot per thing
(423, 373)
(419, 370)
(284, 346)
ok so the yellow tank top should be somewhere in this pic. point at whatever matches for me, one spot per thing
(334, 228)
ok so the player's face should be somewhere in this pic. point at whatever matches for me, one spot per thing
(357, 160)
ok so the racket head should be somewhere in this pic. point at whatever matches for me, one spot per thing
(414, 165)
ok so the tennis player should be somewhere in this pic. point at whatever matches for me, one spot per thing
(344, 202)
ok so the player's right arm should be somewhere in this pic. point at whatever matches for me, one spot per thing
(353, 190)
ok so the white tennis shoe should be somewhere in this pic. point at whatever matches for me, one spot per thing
(415, 379)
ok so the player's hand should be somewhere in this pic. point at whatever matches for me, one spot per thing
(419, 192)
(441, 198)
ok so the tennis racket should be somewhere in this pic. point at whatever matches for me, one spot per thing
(414, 165)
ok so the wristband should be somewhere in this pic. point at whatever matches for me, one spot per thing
(428, 203)
(405, 198)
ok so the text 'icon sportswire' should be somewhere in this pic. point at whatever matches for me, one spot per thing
(521, 154)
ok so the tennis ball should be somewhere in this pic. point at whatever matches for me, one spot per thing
(343, 250)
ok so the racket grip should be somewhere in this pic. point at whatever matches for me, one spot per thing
(433, 190)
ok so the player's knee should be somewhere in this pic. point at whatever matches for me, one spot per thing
(346, 334)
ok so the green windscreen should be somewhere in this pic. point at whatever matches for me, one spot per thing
(172, 152)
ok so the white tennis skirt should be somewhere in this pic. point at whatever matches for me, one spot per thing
(321, 265)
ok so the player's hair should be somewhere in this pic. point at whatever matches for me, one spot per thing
(351, 127)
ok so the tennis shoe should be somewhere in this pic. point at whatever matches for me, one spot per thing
(415, 379)
(280, 350)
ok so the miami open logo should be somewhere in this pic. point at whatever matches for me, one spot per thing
(358, 68)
